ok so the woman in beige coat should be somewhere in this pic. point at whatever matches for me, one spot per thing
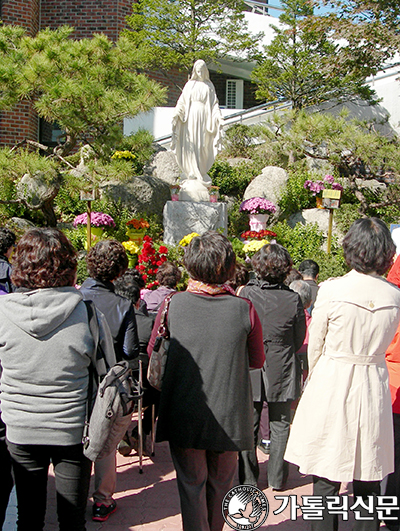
(342, 430)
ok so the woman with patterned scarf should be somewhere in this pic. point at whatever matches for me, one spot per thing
(206, 402)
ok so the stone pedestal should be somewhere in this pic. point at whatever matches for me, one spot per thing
(184, 217)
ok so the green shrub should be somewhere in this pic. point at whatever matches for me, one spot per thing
(239, 140)
(305, 242)
(295, 197)
(141, 145)
(82, 273)
(77, 237)
(232, 180)
(345, 216)
(237, 221)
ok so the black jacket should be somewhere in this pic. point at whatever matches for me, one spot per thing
(284, 327)
(5, 274)
(120, 316)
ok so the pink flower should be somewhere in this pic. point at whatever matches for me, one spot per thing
(97, 219)
(257, 205)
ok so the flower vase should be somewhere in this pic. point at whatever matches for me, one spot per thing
(97, 232)
(96, 235)
(132, 260)
(136, 235)
(258, 222)
(319, 202)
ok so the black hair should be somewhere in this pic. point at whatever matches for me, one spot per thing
(272, 263)
(368, 246)
(127, 287)
(7, 240)
(309, 268)
(107, 260)
(210, 258)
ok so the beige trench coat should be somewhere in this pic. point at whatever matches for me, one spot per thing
(343, 429)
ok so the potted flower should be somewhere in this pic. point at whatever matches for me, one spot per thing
(257, 235)
(149, 260)
(253, 246)
(98, 222)
(132, 251)
(316, 187)
(136, 229)
(187, 239)
(174, 192)
(258, 210)
(214, 194)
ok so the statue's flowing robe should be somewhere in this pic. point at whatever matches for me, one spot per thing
(197, 130)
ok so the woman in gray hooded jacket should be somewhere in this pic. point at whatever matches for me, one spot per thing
(45, 351)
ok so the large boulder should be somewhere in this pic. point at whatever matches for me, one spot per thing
(269, 184)
(144, 194)
(38, 188)
(164, 167)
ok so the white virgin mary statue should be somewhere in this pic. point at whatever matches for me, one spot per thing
(196, 133)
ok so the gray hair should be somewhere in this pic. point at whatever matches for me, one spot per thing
(304, 290)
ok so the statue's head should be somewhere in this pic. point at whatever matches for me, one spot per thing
(200, 71)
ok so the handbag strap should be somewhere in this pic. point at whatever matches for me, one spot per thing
(163, 326)
(98, 353)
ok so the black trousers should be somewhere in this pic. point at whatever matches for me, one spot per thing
(6, 482)
(393, 481)
(72, 475)
(325, 487)
(279, 425)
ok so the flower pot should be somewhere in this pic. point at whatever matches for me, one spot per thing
(213, 198)
(135, 235)
(97, 232)
(258, 222)
(96, 235)
(132, 261)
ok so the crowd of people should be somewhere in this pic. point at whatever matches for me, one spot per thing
(260, 355)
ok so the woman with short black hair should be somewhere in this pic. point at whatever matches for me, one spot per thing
(206, 405)
(342, 430)
(283, 322)
(45, 351)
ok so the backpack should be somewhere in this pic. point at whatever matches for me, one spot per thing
(116, 397)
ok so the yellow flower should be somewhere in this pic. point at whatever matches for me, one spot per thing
(254, 245)
(131, 247)
(123, 155)
(188, 238)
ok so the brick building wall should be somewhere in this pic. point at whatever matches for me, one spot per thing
(22, 122)
(86, 16)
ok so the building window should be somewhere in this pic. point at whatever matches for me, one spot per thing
(234, 93)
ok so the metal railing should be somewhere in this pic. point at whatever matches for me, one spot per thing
(261, 8)
(252, 115)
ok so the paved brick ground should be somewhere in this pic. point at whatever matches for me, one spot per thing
(150, 502)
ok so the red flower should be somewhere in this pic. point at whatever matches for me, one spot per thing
(163, 249)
